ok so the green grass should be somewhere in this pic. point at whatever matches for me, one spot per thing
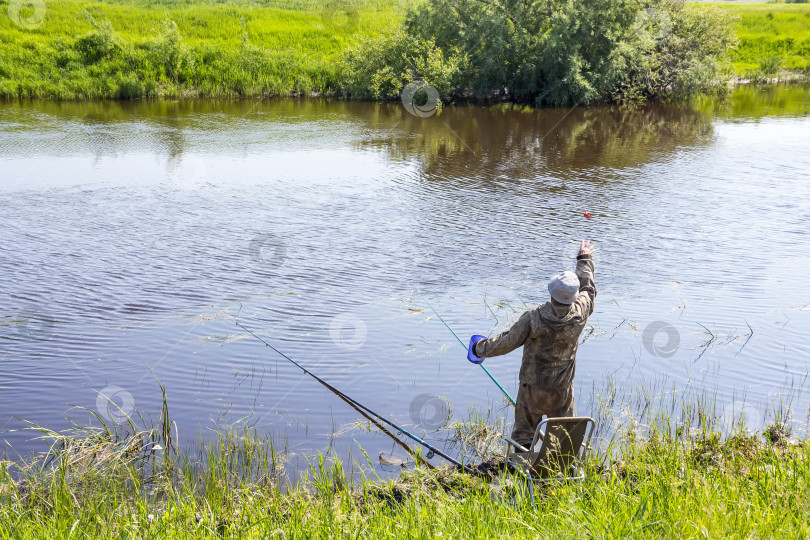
(233, 49)
(773, 38)
(652, 479)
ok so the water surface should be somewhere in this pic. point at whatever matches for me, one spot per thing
(327, 227)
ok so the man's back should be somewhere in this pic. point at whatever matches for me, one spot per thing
(549, 335)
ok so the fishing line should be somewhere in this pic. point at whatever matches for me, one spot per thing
(465, 348)
(362, 409)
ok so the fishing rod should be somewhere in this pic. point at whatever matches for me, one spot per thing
(362, 409)
(465, 348)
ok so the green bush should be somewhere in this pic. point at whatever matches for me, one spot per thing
(682, 54)
(98, 44)
(169, 52)
(379, 67)
(547, 52)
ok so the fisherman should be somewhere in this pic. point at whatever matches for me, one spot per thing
(549, 335)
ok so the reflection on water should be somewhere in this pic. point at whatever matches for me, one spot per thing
(327, 226)
(523, 144)
(750, 102)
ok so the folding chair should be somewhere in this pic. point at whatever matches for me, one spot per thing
(562, 446)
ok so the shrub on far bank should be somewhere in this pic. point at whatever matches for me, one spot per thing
(684, 53)
(379, 67)
(549, 52)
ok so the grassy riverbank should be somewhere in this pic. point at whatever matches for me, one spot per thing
(647, 482)
(85, 49)
(121, 49)
(774, 39)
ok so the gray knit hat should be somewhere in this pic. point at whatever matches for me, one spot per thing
(564, 287)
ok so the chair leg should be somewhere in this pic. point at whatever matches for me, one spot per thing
(529, 484)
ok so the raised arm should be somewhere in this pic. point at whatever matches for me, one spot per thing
(585, 272)
(508, 341)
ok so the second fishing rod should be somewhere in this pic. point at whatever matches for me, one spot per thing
(362, 409)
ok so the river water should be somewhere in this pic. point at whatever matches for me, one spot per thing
(329, 228)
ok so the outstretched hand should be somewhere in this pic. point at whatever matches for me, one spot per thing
(471, 356)
(586, 248)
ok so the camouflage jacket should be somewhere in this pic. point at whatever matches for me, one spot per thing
(549, 335)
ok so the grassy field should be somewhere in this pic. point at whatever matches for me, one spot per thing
(81, 49)
(89, 50)
(773, 38)
(657, 481)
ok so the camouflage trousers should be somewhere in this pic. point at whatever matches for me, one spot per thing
(533, 402)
